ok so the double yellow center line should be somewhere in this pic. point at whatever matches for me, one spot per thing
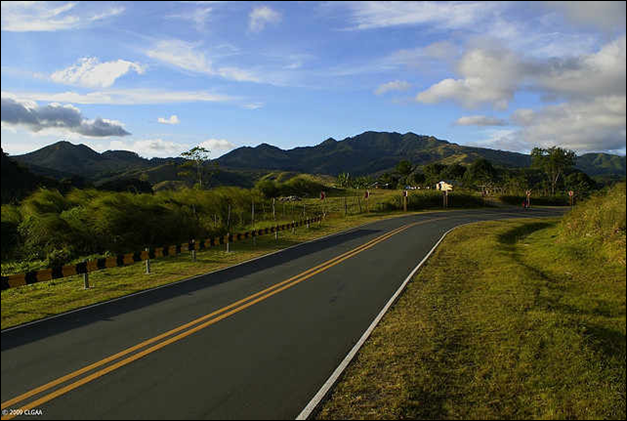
(193, 327)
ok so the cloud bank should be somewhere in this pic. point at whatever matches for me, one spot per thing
(56, 116)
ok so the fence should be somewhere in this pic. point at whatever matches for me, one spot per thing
(12, 281)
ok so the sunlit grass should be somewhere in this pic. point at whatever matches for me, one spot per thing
(506, 321)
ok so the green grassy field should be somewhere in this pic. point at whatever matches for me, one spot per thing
(508, 320)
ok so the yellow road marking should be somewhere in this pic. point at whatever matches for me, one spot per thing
(275, 289)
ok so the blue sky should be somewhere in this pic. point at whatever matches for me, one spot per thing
(161, 77)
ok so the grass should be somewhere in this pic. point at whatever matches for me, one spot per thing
(508, 320)
(32, 302)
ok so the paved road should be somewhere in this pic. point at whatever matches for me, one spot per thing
(264, 357)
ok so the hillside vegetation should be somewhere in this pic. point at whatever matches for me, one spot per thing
(599, 223)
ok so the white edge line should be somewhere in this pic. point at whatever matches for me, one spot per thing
(9, 329)
(315, 401)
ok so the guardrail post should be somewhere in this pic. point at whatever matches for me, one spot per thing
(86, 277)
(293, 226)
(228, 243)
(193, 250)
(148, 262)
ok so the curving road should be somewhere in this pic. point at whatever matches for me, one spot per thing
(255, 341)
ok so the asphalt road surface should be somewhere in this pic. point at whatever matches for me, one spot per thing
(255, 341)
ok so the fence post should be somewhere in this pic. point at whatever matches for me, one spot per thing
(85, 277)
(148, 262)
(253, 225)
(276, 232)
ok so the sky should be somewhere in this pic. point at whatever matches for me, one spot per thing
(159, 78)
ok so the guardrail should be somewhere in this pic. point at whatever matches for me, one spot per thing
(28, 278)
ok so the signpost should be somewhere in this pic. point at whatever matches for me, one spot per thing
(405, 193)
(571, 194)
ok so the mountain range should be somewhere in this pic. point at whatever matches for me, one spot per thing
(366, 154)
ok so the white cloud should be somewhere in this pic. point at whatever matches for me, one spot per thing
(397, 85)
(597, 74)
(491, 75)
(181, 54)
(56, 117)
(217, 147)
(444, 15)
(26, 16)
(582, 125)
(149, 148)
(480, 120)
(261, 16)
(124, 97)
(198, 16)
(506, 140)
(253, 106)
(187, 56)
(90, 73)
(603, 15)
(172, 120)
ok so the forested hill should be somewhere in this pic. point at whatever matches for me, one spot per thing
(366, 154)
(66, 158)
(372, 152)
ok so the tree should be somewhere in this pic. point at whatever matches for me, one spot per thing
(554, 161)
(344, 180)
(196, 159)
(433, 172)
(579, 182)
(455, 171)
(419, 178)
(404, 168)
(481, 173)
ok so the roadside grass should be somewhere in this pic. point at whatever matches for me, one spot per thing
(32, 302)
(507, 320)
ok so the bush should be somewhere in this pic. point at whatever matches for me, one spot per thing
(557, 200)
(49, 226)
(432, 200)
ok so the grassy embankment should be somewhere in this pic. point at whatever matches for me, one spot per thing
(509, 319)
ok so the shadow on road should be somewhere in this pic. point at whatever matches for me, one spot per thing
(108, 311)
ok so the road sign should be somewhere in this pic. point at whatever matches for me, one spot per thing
(367, 194)
(322, 195)
(528, 193)
(404, 193)
(571, 193)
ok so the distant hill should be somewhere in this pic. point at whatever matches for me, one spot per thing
(597, 164)
(64, 160)
(18, 182)
(65, 157)
(365, 154)
(374, 152)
